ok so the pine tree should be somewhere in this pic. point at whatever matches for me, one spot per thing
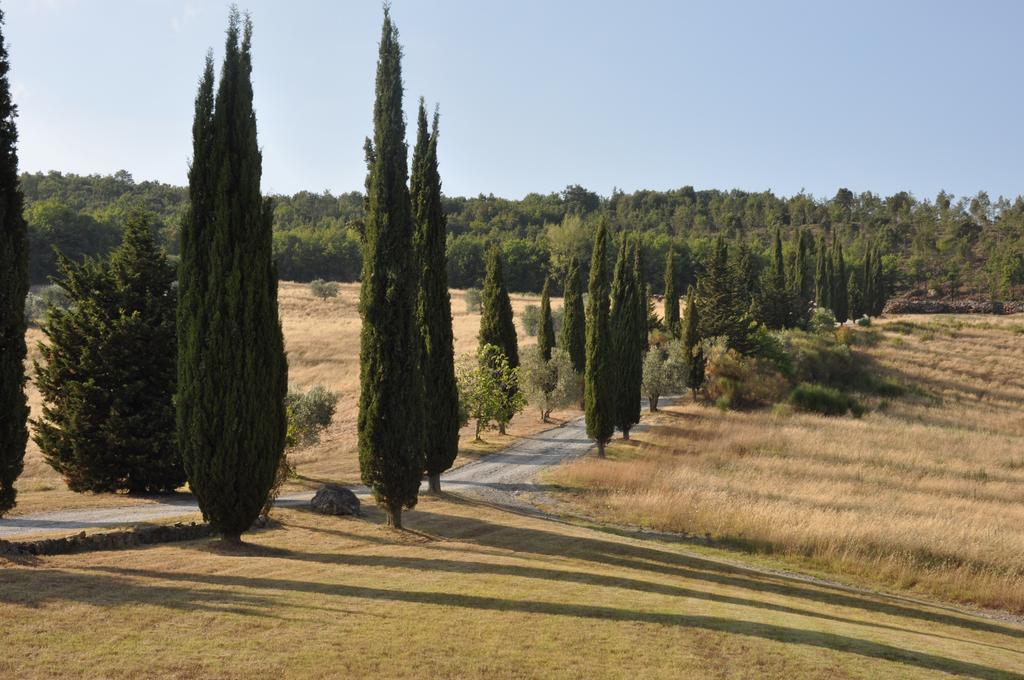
(391, 399)
(822, 284)
(13, 289)
(692, 346)
(546, 332)
(496, 324)
(840, 293)
(627, 354)
(598, 384)
(722, 299)
(671, 295)
(434, 310)
(108, 372)
(574, 334)
(232, 372)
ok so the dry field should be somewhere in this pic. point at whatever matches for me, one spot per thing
(322, 341)
(469, 592)
(925, 493)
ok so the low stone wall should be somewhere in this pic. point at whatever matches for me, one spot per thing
(113, 540)
(931, 306)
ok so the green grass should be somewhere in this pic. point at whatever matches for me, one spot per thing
(468, 591)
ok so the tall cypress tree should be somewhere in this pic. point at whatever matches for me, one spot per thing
(691, 343)
(13, 288)
(878, 284)
(434, 312)
(496, 324)
(232, 372)
(574, 334)
(546, 326)
(821, 279)
(391, 400)
(627, 354)
(868, 291)
(671, 295)
(598, 392)
(775, 303)
(840, 294)
(801, 283)
(722, 298)
(642, 303)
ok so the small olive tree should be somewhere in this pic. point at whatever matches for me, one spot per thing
(488, 388)
(473, 300)
(323, 289)
(664, 372)
(549, 385)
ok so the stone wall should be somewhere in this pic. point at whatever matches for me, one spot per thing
(113, 540)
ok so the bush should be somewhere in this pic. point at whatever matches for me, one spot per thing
(864, 321)
(473, 300)
(309, 414)
(323, 289)
(822, 321)
(737, 381)
(531, 319)
(824, 400)
(820, 358)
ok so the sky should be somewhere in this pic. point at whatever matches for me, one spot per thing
(536, 95)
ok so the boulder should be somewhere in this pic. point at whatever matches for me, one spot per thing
(333, 499)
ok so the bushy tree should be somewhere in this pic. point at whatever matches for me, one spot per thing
(496, 324)
(441, 423)
(671, 316)
(574, 334)
(488, 388)
(599, 395)
(14, 247)
(310, 412)
(473, 298)
(108, 372)
(546, 326)
(723, 303)
(323, 289)
(694, 351)
(391, 400)
(531, 319)
(664, 372)
(627, 326)
(232, 371)
(550, 384)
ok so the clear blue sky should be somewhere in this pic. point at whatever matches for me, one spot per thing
(537, 94)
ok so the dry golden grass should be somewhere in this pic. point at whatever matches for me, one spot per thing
(469, 591)
(322, 341)
(924, 493)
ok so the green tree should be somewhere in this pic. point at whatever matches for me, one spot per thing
(598, 394)
(722, 299)
(391, 400)
(822, 284)
(626, 324)
(868, 277)
(692, 344)
(14, 248)
(108, 372)
(488, 388)
(856, 298)
(671, 316)
(776, 307)
(434, 310)
(546, 327)
(801, 282)
(496, 324)
(840, 293)
(879, 287)
(550, 384)
(574, 335)
(232, 372)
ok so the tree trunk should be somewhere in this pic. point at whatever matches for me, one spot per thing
(501, 428)
(625, 434)
(652, 404)
(231, 539)
(600, 449)
(434, 482)
(694, 391)
(394, 516)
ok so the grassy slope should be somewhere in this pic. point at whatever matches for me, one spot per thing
(924, 494)
(322, 341)
(470, 591)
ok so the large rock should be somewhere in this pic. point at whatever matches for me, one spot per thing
(332, 499)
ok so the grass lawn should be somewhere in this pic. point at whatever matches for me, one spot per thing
(467, 591)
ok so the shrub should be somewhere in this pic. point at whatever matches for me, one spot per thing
(824, 400)
(738, 381)
(531, 319)
(473, 298)
(864, 321)
(822, 321)
(309, 414)
(845, 335)
(323, 289)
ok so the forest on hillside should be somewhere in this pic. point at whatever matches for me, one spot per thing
(955, 246)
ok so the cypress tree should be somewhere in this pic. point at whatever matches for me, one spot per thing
(867, 275)
(391, 399)
(434, 311)
(671, 295)
(13, 289)
(496, 325)
(109, 371)
(856, 297)
(627, 354)
(722, 298)
(691, 343)
(642, 301)
(801, 283)
(878, 284)
(574, 334)
(232, 372)
(821, 278)
(546, 334)
(840, 294)
(598, 383)
(775, 302)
